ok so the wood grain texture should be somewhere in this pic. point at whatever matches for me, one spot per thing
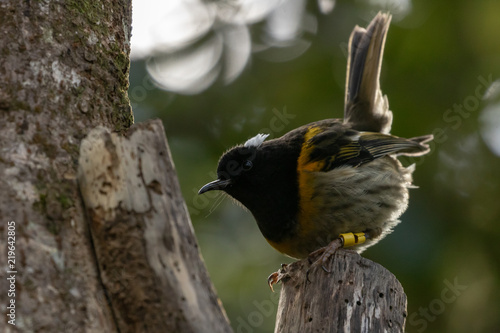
(357, 295)
(150, 265)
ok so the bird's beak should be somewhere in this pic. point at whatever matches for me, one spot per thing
(218, 184)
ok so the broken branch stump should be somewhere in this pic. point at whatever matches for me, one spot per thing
(152, 274)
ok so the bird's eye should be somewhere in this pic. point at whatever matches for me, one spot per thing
(247, 165)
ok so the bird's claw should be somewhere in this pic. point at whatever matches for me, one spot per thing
(272, 279)
(276, 277)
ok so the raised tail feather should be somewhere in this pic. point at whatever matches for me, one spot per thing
(366, 109)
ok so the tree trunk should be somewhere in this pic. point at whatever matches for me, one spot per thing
(357, 295)
(63, 71)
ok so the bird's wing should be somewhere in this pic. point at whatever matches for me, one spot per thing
(336, 146)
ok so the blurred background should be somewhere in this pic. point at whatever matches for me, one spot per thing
(219, 72)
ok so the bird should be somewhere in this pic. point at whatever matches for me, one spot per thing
(332, 183)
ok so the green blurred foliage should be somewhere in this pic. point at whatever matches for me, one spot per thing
(433, 59)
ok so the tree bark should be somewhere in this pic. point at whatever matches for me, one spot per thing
(63, 71)
(147, 253)
(357, 295)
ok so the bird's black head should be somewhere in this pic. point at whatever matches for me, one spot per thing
(236, 168)
(263, 177)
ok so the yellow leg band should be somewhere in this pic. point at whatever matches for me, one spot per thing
(351, 239)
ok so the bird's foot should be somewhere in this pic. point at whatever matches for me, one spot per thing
(276, 276)
(325, 253)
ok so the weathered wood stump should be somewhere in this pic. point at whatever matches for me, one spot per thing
(357, 295)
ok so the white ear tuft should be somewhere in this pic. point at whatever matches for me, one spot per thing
(256, 141)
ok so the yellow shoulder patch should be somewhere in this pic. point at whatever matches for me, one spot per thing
(304, 163)
(305, 169)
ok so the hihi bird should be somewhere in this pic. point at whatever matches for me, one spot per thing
(332, 183)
